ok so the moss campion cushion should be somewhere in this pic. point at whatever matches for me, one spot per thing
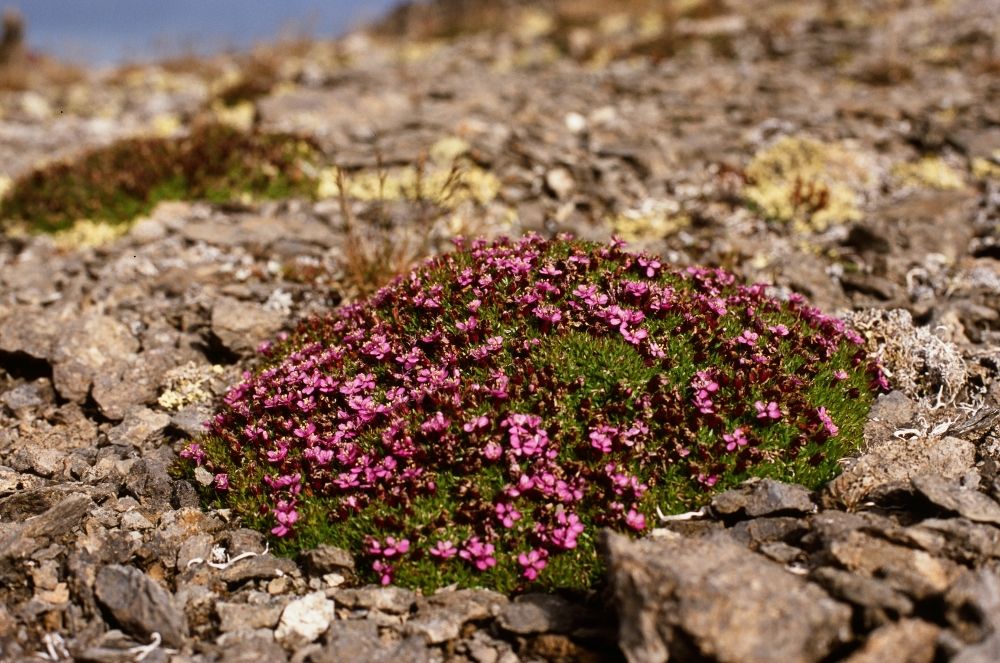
(478, 420)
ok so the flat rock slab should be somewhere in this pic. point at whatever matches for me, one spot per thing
(441, 617)
(893, 465)
(139, 604)
(242, 326)
(763, 498)
(712, 598)
(540, 613)
(92, 344)
(953, 496)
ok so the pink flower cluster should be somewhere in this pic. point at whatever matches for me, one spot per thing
(443, 379)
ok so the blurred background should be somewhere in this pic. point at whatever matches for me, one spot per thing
(107, 32)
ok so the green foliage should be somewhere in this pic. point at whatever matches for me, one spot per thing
(116, 183)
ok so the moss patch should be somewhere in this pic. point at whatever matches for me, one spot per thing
(480, 419)
(117, 183)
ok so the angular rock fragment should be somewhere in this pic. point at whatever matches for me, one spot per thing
(907, 641)
(440, 617)
(259, 566)
(712, 598)
(913, 572)
(892, 466)
(139, 604)
(325, 559)
(242, 326)
(765, 497)
(394, 600)
(539, 613)
(953, 496)
(88, 346)
(304, 619)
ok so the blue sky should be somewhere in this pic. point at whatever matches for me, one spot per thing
(105, 31)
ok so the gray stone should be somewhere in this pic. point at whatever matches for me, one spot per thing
(712, 598)
(242, 326)
(888, 413)
(355, 640)
(250, 646)
(763, 498)
(140, 426)
(539, 613)
(43, 462)
(236, 616)
(258, 567)
(149, 482)
(139, 604)
(304, 620)
(879, 602)
(27, 396)
(893, 465)
(440, 617)
(914, 572)
(193, 548)
(956, 538)
(325, 559)
(953, 496)
(972, 605)
(392, 599)
(908, 641)
(88, 346)
(39, 531)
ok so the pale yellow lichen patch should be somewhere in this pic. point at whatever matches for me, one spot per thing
(417, 51)
(240, 116)
(447, 150)
(653, 219)
(188, 384)
(87, 233)
(533, 24)
(987, 168)
(166, 125)
(809, 183)
(447, 187)
(928, 172)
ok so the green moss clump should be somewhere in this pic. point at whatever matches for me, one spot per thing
(117, 183)
(480, 419)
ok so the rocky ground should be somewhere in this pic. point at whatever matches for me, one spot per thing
(846, 150)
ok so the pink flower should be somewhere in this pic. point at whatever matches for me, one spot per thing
(735, 439)
(444, 549)
(193, 452)
(635, 520)
(533, 562)
(478, 554)
(384, 571)
(507, 514)
(708, 480)
(479, 422)
(840, 375)
(778, 330)
(602, 438)
(748, 337)
(770, 411)
(492, 450)
(390, 548)
(831, 428)
(547, 314)
(286, 515)
(221, 481)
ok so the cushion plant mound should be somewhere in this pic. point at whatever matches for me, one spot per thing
(478, 420)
